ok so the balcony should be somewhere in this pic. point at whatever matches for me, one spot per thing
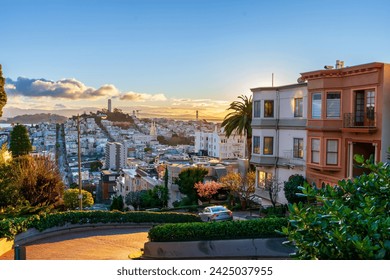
(360, 122)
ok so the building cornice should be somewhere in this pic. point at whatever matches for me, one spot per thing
(343, 72)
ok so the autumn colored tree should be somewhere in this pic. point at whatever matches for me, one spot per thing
(240, 186)
(248, 187)
(231, 182)
(208, 189)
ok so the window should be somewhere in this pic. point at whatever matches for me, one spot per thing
(370, 103)
(331, 152)
(256, 144)
(298, 107)
(268, 148)
(268, 109)
(316, 106)
(333, 105)
(315, 150)
(298, 148)
(263, 178)
(256, 109)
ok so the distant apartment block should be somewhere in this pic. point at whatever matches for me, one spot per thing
(216, 144)
(278, 134)
(115, 157)
(348, 114)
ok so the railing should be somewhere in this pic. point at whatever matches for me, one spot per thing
(360, 120)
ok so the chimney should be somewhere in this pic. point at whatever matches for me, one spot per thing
(339, 64)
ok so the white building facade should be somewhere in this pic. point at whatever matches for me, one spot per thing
(278, 135)
(115, 156)
(215, 144)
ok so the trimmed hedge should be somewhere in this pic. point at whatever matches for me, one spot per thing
(259, 228)
(11, 227)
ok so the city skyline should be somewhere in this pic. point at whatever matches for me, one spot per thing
(173, 58)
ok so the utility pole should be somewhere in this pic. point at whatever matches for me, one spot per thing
(79, 160)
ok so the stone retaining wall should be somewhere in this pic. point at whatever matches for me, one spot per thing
(264, 248)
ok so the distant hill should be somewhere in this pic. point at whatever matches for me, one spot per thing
(36, 118)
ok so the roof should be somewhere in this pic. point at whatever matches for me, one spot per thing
(279, 87)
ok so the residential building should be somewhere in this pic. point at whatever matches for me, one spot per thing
(115, 157)
(346, 116)
(278, 135)
(216, 144)
(108, 185)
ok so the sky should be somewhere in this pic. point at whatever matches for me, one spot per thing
(171, 58)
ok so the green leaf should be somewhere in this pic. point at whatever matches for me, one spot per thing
(359, 159)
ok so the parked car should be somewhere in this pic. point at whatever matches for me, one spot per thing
(216, 213)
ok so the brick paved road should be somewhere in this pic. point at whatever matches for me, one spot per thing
(97, 244)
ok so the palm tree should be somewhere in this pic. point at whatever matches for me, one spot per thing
(3, 95)
(239, 120)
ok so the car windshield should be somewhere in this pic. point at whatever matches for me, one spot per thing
(218, 209)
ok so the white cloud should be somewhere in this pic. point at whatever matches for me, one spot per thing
(142, 97)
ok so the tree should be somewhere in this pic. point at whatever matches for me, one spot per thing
(188, 178)
(29, 185)
(162, 193)
(208, 189)
(5, 155)
(3, 95)
(166, 177)
(291, 188)
(239, 120)
(240, 186)
(232, 181)
(9, 194)
(273, 187)
(249, 186)
(20, 142)
(348, 221)
(117, 203)
(133, 199)
(71, 198)
(96, 165)
(38, 180)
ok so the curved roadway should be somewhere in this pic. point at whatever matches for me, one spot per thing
(97, 244)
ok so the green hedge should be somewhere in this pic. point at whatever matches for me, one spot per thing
(259, 228)
(10, 227)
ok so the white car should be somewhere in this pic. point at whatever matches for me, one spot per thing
(216, 213)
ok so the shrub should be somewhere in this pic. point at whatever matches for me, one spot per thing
(260, 228)
(10, 227)
(277, 211)
(291, 188)
(348, 221)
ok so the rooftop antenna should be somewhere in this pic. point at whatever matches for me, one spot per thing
(272, 79)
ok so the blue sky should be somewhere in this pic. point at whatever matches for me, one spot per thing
(178, 55)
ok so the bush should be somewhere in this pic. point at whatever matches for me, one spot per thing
(348, 221)
(10, 227)
(260, 228)
(277, 211)
(291, 188)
